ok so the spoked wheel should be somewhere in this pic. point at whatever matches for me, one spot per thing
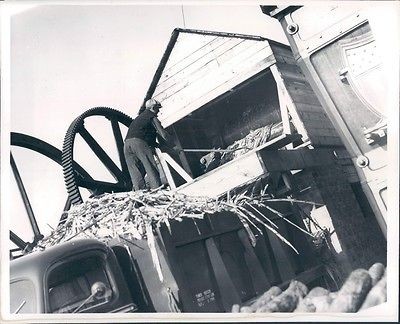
(48, 150)
(73, 180)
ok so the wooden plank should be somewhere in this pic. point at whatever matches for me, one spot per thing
(283, 263)
(182, 156)
(188, 230)
(213, 70)
(187, 44)
(316, 116)
(315, 130)
(266, 256)
(285, 160)
(177, 167)
(238, 55)
(300, 85)
(210, 76)
(199, 278)
(258, 277)
(166, 169)
(297, 87)
(245, 168)
(306, 257)
(287, 129)
(316, 123)
(220, 180)
(309, 108)
(154, 288)
(284, 59)
(282, 51)
(317, 157)
(181, 109)
(208, 235)
(276, 162)
(180, 267)
(239, 67)
(299, 96)
(190, 55)
(351, 173)
(196, 63)
(195, 52)
(279, 142)
(233, 255)
(229, 295)
(289, 102)
(342, 153)
(286, 230)
(291, 71)
(327, 141)
(284, 111)
(239, 59)
(218, 57)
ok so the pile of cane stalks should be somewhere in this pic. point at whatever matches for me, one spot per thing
(361, 290)
(136, 214)
(251, 141)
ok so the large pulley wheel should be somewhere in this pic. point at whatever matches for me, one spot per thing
(51, 152)
(73, 180)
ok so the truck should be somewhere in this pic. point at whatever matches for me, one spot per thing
(206, 272)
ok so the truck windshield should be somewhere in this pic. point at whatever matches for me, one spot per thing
(70, 285)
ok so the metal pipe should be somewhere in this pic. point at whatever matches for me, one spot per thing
(161, 66)
(17, 240)
(213, 150)
(25, 199)
(221, 34)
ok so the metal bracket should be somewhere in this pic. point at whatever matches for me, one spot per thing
(362, 161)
(343, 74)
(292, 28)
(376, 133)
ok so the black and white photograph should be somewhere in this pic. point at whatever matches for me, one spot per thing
(220, 161)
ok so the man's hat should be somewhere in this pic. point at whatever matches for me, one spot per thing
(151, 103)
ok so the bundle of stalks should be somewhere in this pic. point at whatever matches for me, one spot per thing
(253, 140)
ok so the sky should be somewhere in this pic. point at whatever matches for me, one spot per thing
(66, 59)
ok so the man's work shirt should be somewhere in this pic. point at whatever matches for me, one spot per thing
(144, 127)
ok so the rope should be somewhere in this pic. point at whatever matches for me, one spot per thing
(183, 17)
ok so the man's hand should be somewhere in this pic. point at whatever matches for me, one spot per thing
(177, 149)
(171, 150)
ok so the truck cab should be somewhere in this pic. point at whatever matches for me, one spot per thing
(78, 276)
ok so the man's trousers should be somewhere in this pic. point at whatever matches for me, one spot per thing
(139, 157)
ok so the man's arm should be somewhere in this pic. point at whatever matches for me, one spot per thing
(166, 142)
(160, 130)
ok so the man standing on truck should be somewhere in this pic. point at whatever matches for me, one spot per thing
(139, 145)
